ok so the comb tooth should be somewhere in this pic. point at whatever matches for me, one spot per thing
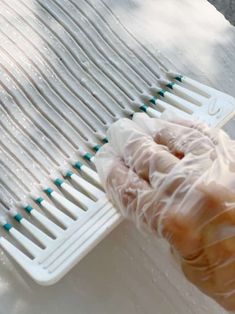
(185, 93)
(43, 238)
(47, 223)
(82, 199)
(179, 102)
(153, 113)
(173, 99)
(22, 259)
(90, 189)
(196, 86)
(86, 155)
(145, 97)
(156, 102)
(94, 146)
(168, 83)
(105, 140)
(37, 233)
(167, 106)
(30, 246)
(91, 174)
(92, 159)
(73, 209)
(150, 111)
(54, 211)
(129, 112)
(101, 136)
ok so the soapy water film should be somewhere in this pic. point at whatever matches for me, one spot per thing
(68, 69)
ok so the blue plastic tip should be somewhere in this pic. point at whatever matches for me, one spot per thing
(96, 147)
(18, 217)
(69, 173)
(78, 165)
(48, 191)
(162, 92)
(7, 226)
(39, 200)
(88, 156)
(153, 100)
(28, 209)
(105, 140)
(144, 108)
(179, 78)
(170, 85)
(58, 182)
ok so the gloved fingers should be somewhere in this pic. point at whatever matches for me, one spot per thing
(123, 131)
(139, 151)
(212, 133)
(125, 186)
(151, 126)
(181, 137)
(131, 195)
(105, 159)
(224, 145)
(147, 158)
(193, 124)
(182, 141)
(216, 135)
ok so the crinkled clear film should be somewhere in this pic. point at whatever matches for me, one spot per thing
(177, 180)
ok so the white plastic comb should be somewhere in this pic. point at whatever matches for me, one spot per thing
(80, 213)
(193, 100)
(73, 232)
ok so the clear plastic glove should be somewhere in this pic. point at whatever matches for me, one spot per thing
(177, 180)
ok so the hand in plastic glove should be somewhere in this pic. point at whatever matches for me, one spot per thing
(177, 180)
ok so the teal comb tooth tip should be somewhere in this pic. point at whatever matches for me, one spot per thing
(58, 182)
(88, 156)
(179, 78)
(7, 226)
(39, 200)
(69, 173)
(78, 165)
(162, 92)
(96, 147)
(18, 217)
(28, 209)
(48, 191)
(144, 108)
(153, 100)
(170, 85)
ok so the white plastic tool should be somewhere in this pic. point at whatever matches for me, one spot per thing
(77, 212)
(189, 99)
(71, 234)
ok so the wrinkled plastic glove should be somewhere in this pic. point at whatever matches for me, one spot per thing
(177, 180)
